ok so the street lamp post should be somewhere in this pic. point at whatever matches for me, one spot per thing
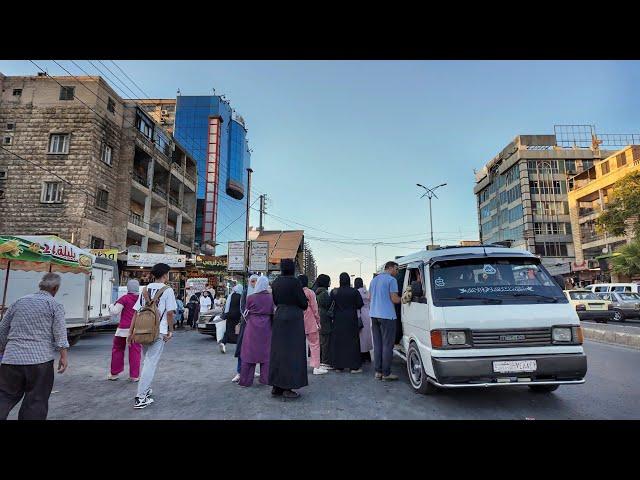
(430, 193)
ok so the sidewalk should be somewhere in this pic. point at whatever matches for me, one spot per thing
(614, 334)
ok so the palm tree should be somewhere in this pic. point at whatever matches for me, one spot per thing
(628, 262)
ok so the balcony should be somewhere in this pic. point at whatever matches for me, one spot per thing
(157, 228)
(172, 235)
(174, 201)
(585, 212)
(140, 179)
(160, 191)
(588, 237)
(136, 220)
(186, 239)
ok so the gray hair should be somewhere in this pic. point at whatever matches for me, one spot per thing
(50, 282)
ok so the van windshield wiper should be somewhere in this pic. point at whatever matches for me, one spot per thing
(536, 295)
(495, 301)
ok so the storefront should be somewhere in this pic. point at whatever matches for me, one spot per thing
(139, 267)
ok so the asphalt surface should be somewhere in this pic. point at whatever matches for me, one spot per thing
(193, 381)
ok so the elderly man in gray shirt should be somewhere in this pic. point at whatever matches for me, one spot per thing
(31, 332)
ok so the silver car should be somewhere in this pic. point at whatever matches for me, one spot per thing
(625, 304)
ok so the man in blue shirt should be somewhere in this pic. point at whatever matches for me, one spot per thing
(384, 294)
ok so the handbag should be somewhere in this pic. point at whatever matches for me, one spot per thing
(360, 324)
(331, 310)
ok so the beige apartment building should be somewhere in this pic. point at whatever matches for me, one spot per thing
(81, 163)
(589, 193)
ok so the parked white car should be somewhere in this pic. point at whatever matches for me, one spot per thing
(614, 287)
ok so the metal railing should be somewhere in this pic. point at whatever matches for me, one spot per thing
(136, 220)
(140, 179)
(587, 237)
(174, 201)
(157, 228)
(186, 239)
(172, 235)
(160, 191)
(585, 212)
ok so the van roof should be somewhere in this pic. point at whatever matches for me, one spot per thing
(452, 252)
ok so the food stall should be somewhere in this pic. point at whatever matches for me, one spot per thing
(87, 286)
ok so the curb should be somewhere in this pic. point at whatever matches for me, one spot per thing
(631, 340)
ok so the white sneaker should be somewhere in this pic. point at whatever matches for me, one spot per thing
(257, 374)
(320, 371)
(112, 377)
(326, 367)
(236, 379)
(142, 402)
(223, 348)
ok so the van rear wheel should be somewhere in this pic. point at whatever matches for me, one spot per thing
(417, 375)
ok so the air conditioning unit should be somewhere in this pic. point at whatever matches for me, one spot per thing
(164, 112)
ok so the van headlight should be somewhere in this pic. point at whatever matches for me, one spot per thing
(561, 335)
(456, 337)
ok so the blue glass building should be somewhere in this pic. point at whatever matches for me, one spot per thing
(204, 124)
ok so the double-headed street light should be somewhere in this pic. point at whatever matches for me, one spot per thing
(430, 193)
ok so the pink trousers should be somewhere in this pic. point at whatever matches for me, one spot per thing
(314, 346)
(117, 357)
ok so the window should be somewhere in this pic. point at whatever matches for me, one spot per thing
(3, 175)
(59, 143)
(105, 154)
(621, 160)
(543, 166)
(67, 93)
(51, 192)
(11, 126)
(145, 126)
(111, 105)
(2, 196)
(7, 140)
(17, 92)
(570, 166)
(551, 249)
(604, 167)
(97, 242)
(552, 228)
(102, 199)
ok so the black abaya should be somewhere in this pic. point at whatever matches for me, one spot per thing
(233, 318)
(344, 346)
(288, 359)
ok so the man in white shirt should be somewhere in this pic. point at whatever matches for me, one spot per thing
(166, 308)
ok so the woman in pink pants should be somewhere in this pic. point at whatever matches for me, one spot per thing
(312, 326)
(124, 307)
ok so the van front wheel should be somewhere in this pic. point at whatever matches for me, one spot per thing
(417, 375)
(543, 388)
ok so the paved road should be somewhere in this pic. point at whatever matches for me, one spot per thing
(629, 322)
(193, 382)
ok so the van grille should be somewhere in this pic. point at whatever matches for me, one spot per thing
(521, 337)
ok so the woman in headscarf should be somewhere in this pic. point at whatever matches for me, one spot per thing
(312, 326)
(366, 337)
(124, 308)
(256, 340)
(324, 303)
(344, 350)
(243, 302)
(194, 311)
(288, 356)
(232, 317)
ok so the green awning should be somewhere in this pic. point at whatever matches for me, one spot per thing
(608, 255)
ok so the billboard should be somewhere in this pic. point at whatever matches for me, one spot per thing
(259, 256)
(150, 259)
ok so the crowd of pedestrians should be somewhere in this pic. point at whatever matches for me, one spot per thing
(275, 328)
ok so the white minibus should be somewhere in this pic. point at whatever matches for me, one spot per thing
(486, 316)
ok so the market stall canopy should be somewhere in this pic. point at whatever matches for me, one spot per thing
(282, 244)
(43, 253)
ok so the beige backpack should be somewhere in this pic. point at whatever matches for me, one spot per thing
(146, 322)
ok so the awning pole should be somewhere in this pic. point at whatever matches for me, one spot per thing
(4, 293)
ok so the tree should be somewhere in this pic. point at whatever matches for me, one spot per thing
(628, 262)
(623, 207)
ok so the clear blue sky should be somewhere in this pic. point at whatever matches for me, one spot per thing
(340, 145)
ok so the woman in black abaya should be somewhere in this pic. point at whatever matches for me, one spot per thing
(288, 359)
(344, 349)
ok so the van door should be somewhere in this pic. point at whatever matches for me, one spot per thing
(415, 314)
(95, 293)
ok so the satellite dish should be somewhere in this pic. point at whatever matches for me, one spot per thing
(134, 249)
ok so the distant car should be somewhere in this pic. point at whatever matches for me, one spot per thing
(589, 306)
(625, 305)
(614, 287)
(206, 323)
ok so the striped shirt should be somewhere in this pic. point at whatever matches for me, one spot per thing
(32, 330)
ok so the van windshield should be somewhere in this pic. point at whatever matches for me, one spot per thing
(492, 280)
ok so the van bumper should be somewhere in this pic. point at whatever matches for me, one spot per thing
(596, 315)
(557, 369)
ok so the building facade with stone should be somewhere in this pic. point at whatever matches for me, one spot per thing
(72, 154)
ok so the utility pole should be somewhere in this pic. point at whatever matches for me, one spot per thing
(246, 237)
(375, 250)
(430, 193)
(262, 208)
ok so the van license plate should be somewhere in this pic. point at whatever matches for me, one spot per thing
(515, 366)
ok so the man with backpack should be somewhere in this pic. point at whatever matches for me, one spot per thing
(152, 327)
